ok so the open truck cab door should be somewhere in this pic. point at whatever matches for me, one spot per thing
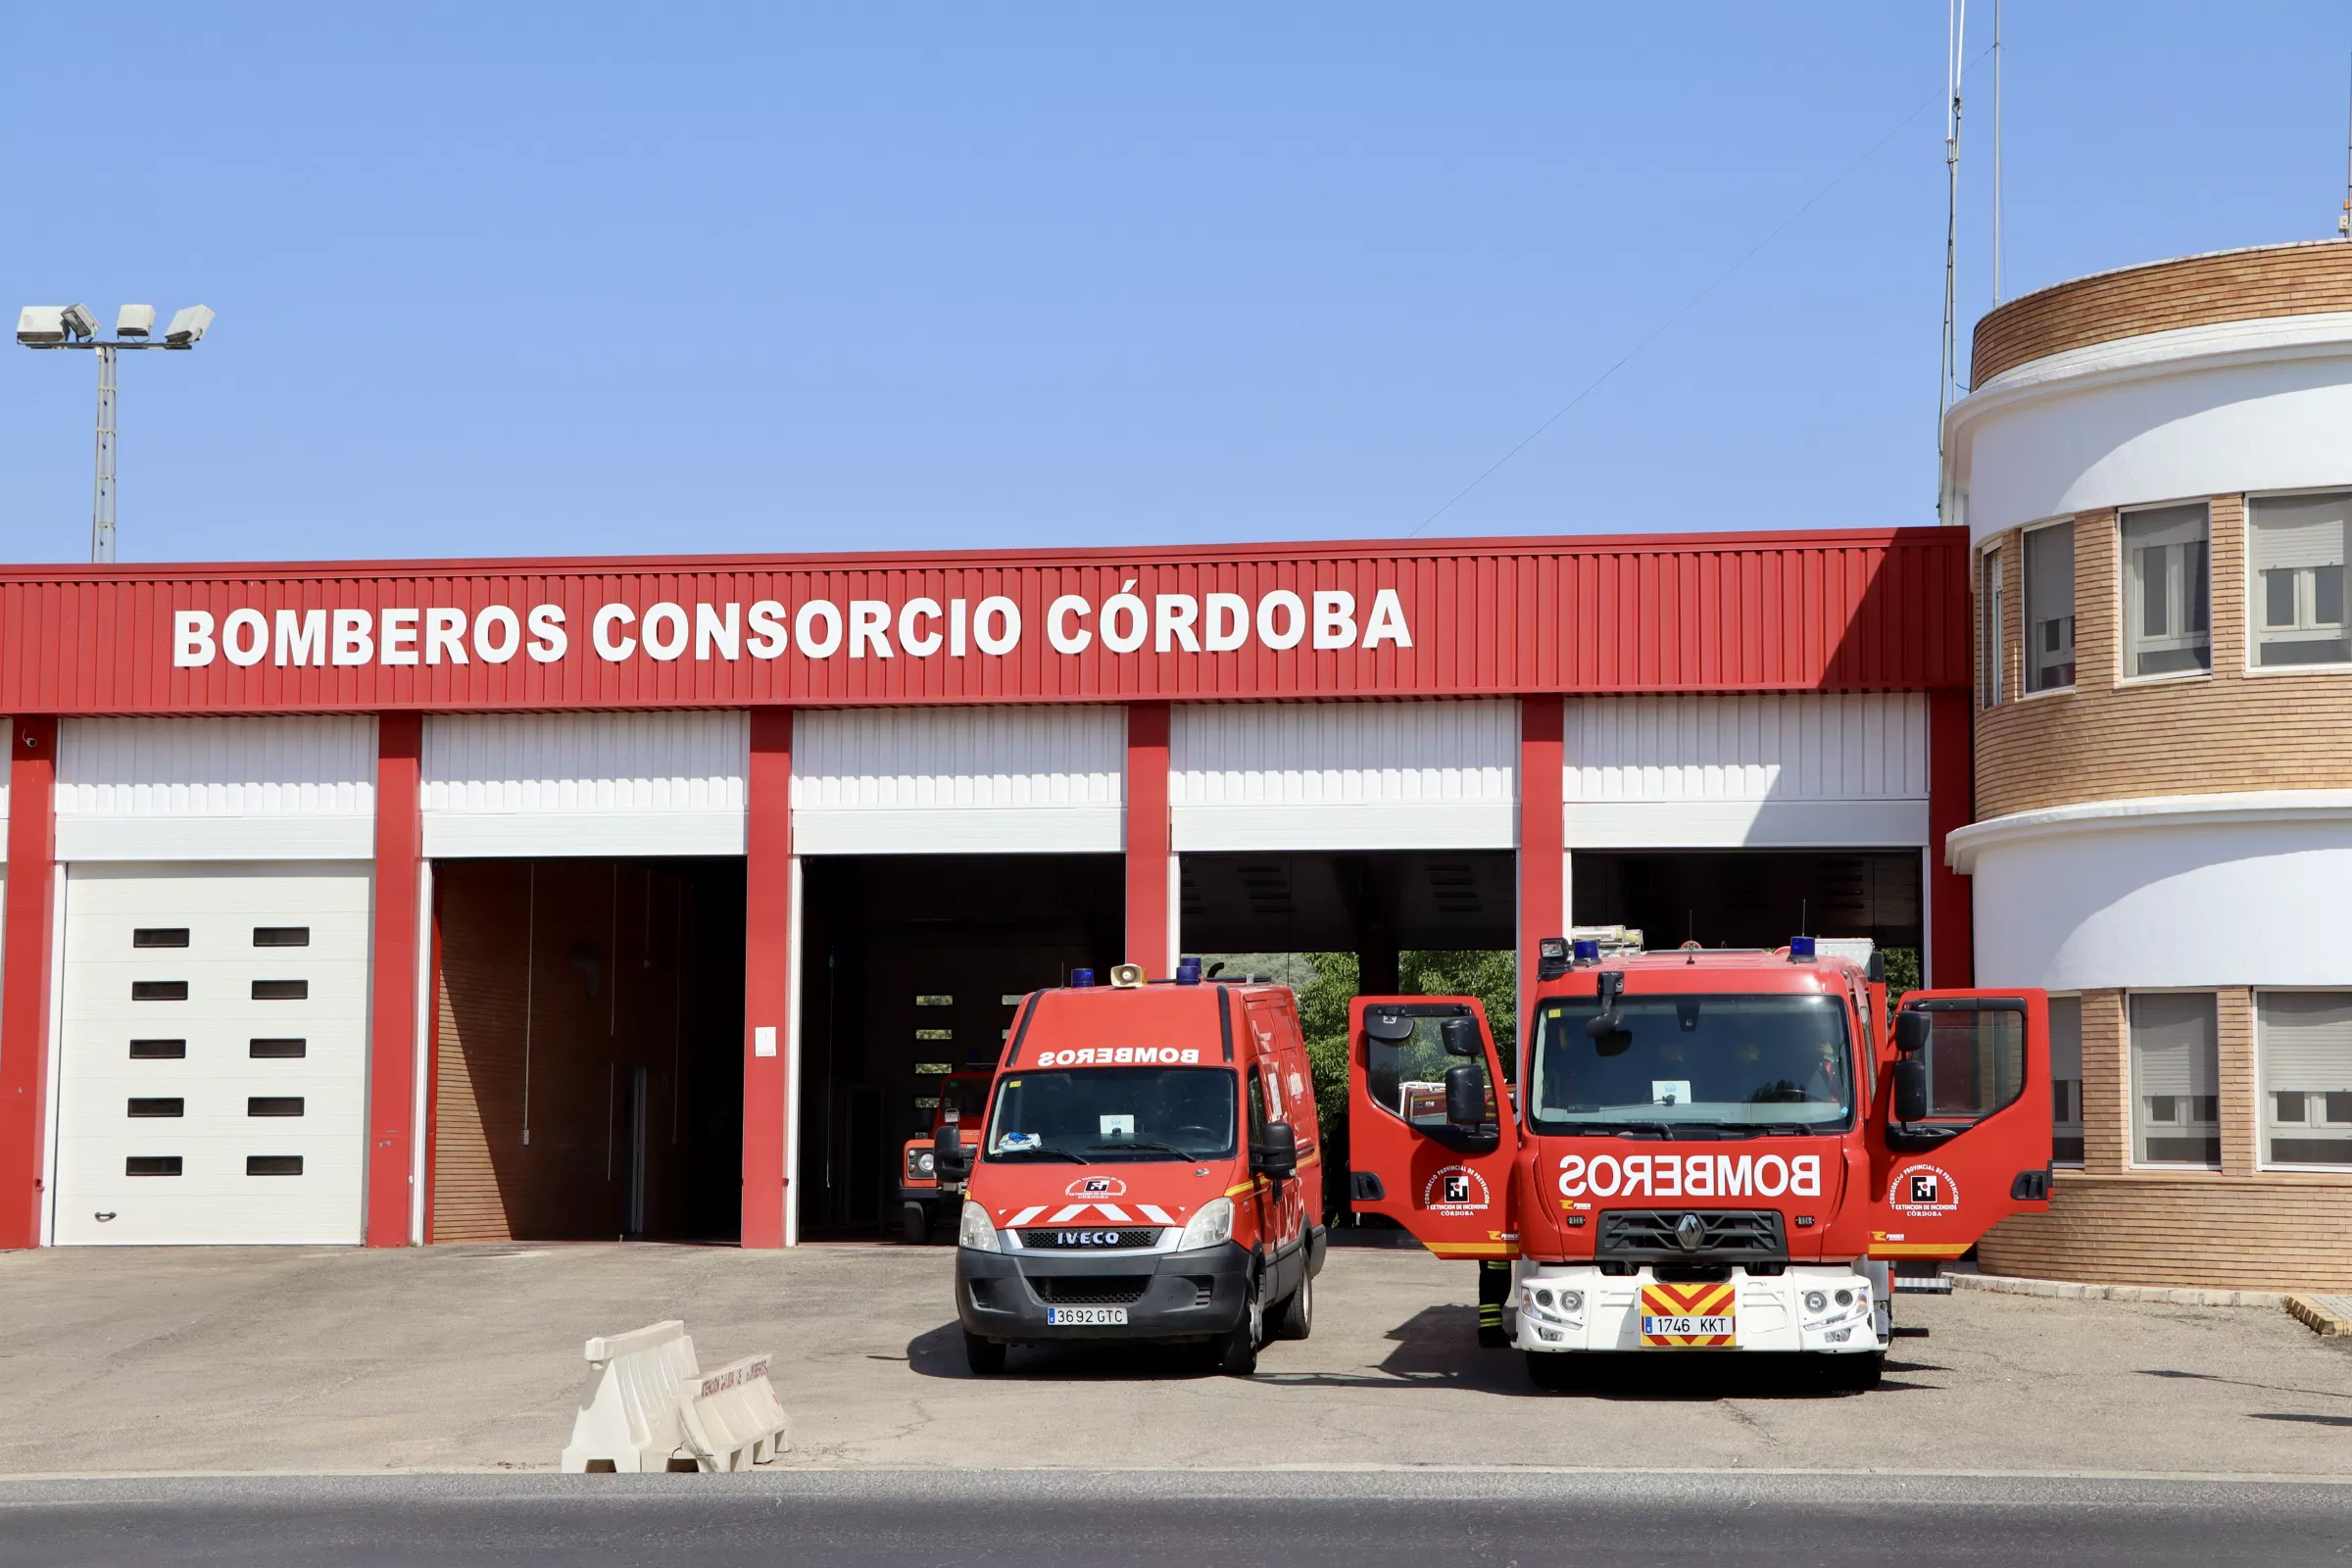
(1432, 1134)
(1960, 1131)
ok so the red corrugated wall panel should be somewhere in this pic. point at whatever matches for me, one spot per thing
(1784, 611)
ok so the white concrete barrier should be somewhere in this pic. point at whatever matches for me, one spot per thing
(628, 1417)
(731, 1418)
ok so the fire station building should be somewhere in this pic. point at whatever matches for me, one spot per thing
(407, 902)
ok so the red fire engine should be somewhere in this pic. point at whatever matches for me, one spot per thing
(1708, 1148)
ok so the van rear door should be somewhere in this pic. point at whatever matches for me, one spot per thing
(1961, 1131)
(1429, 1131)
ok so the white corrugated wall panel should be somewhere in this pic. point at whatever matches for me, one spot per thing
(1765, 770)
(137, 789)
(1344, 775)
(637, 783)
(959, 780)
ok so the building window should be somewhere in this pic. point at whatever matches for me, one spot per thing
(2167, 592)
(2295, 562)
(2050, 608)
(2066, 1080)
(1991, 602)
(2176, 1080)
(2305, 1038)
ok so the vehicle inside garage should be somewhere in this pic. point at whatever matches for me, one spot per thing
(913, 964)
(588, 1080)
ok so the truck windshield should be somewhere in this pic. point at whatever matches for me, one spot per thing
(1095, 1114)
(1731, 1062)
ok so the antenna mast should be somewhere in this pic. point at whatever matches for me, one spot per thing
(1951, 228)
(2343, 224)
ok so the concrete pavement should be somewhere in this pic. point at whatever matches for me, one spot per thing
(468, 1359)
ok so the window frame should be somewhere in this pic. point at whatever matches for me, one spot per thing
(2026, 690)
(2126, 598)
(2253, 635)
(2083, 1162)
(2132, 1159)
(1992, 606)
(2261, 1090)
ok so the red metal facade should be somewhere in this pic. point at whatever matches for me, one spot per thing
(1883, 609)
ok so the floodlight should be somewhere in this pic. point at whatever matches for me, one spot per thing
(187, 325)
(134, 320)
(78, 321)
(40, 324)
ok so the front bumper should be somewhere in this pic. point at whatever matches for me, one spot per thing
(1168, 1295)
(1771, 1310)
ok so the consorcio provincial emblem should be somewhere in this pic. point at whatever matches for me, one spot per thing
(1922, 1191)
(1455, 1189)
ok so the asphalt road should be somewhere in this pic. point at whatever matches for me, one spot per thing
(1299, 1519)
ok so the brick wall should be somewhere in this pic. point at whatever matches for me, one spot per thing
(2192, 291)
(2108, 738)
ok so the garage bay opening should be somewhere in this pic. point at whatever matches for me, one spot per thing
(911, 968)
(587, 1051)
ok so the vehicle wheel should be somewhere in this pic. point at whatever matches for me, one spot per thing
(1552, 1369)
(914, 1223)
(1294, 1316)
(1857, 1374)
(983, 1356)
(1237, 1352)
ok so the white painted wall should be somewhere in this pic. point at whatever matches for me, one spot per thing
(585, 784)
(959, 780)
(1764, 771)
(216, 789)
(2245, 890)
(2196, 412)
(1344, 775)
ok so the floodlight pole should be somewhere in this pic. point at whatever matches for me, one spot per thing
(102, 495)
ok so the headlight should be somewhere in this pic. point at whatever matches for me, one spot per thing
(1210, 1224)
(977, 1231)
(1543, 1298)
(1572, 1301)
(1815, 1301)
(920, 1163)
(1845, 1298)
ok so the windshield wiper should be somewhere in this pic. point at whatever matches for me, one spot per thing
(1047, 1150)
(1146, 1142)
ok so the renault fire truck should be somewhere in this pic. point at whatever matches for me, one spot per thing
(1708, 1149)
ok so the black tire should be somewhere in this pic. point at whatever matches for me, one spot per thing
(983, 1356)
(1555, 1370)
(914, 1223)
(1237, 1352)
(1294, 1316)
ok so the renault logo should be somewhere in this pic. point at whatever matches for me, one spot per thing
(1691, 1232)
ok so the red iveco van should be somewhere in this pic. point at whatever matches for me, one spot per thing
(1147, 1171)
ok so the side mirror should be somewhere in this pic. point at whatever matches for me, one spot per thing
(947, 1152)
(1466, 1095)
(1459, 1036)
(1277, 1152)
(1911, 1087)
(1605, 1023)
(1912, 1031)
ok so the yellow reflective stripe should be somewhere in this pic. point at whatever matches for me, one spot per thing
(1247, 1186)
(1472, 1248)
(1915, 1249)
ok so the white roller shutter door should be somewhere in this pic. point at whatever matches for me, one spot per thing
(214, 1092)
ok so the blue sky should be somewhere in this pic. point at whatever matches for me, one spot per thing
(593, 280)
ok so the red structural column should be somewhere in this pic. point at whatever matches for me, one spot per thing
(392, 1012)
(1150, 942)
(1543, 858)
(25, 977)
(767, 939)
(1951, 958)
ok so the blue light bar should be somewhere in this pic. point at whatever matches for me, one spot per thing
(1082, 978)
(1188, 972)
(1800, 950)
(1587, 950)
